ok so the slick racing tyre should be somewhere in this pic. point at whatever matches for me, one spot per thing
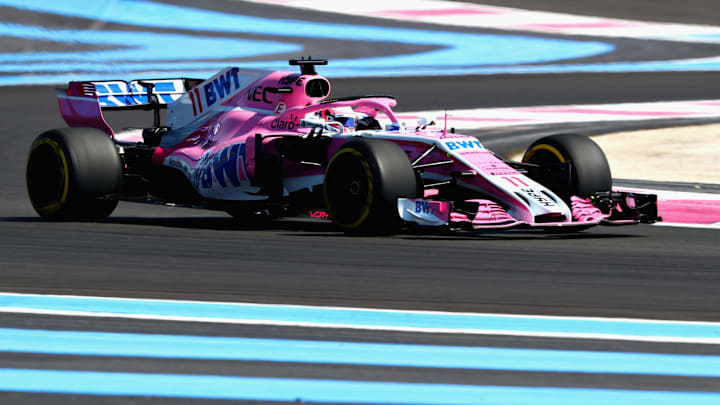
(363, 181)
(74, 174)
(588, 169)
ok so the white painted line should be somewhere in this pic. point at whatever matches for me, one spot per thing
(694, 226)
(506, 18)
(363, 309)
(641, 330)
(673, 195)
(479, 118)
(493, 332)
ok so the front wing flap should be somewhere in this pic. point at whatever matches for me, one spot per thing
(607, 208)
(627, 207)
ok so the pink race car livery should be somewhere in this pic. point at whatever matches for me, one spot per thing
(258, 143)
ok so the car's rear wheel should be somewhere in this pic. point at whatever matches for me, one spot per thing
(363, 181)
(589, 171)
(74, 174)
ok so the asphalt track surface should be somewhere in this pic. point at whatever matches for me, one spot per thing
(150, 251)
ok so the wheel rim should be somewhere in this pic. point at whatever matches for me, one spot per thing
(348, 188)
(544, 154)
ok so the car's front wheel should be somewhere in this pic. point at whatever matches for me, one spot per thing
(586, 168)
(363, 181)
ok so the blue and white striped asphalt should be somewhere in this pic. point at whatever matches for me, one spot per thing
(332, 391)
(371, 319)
(136, 345)
(353, 353)
(144, 49)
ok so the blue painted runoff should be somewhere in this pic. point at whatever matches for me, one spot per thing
(139, 49)
(198, 55)
(333, 391)
(131, 47)
(362, 317)
(458, 49)
(355, 353)
(207, 69)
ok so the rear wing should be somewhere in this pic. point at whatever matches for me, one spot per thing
(120, 94)
(82, 103)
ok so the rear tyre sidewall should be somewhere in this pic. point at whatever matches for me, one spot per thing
(363, 181)
(589, 168)
(74, 174)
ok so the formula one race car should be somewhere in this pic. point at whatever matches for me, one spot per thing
(263, 143)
